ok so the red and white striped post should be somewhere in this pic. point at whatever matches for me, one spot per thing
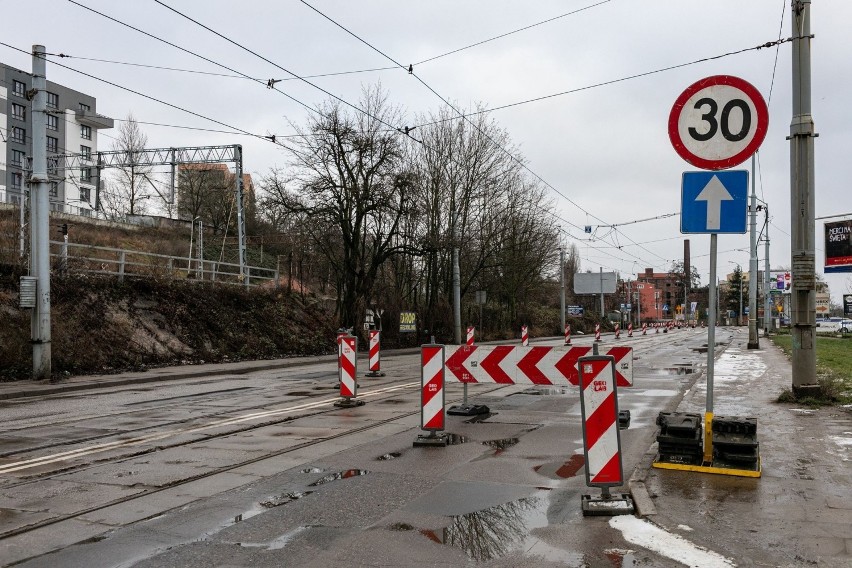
(432, 398)
(347, 366)
(568, 334)
(601, 437)
(617, 331)
(525, 336)
(629, 330)
(375, 354)
(597, 332)
(470, 333)
(644, 329)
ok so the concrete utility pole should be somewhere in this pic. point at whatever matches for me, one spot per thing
(39, 221)
(803, 296)
(561, 285)
(603, 309)
(753, 341)
(767, 297)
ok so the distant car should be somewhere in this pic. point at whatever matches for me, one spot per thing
(828, 326)
(846, 326)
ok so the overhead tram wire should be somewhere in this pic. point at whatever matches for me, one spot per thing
(355, 107)
(613, 81)
(199, 115)
(461, 115)
(478, 43)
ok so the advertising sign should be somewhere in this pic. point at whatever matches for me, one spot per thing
(823, 303)
(574, 311)
(594, 283)
(847, 304)
(838, 246)
(407, 322)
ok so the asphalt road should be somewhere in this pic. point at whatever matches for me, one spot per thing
(260, 469)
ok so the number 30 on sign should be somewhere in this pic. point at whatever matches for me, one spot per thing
(718, 122)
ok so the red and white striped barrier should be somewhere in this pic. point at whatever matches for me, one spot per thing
(599, 407)
(375, 354)
(347, 366)
(538, 365)
(644, 329)
(470, 332)
(568, 334)
(525, 336)
(597, 332)
(432, 414)
(617, 331)
(629, 330)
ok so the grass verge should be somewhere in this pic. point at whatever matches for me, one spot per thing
(834, 370)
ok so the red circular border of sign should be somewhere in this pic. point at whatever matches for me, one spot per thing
(742, 156)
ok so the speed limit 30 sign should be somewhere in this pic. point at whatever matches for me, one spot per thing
(718, 122)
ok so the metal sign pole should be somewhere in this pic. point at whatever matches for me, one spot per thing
(711, 353)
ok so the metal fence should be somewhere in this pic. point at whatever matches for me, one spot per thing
(121, 263)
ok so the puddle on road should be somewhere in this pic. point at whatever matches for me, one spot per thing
(284, 499)
(298, 393)
(548, 391)
(494, 532)
(561, 470)
(346, 474)
(677, 369)
(389, 456)
(455, 439)
(621, 558)
(500, 445)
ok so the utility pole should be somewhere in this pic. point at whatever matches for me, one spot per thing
(39, 221)
(767, 297)
(803, 296)
(753, 341)
(603, 309)
(561, 285)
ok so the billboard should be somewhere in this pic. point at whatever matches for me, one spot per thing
(407, 322)
(847, 304)
(574, 311)
(595, 283)
(838, 246)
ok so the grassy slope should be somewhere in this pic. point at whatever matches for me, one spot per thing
(834, 361)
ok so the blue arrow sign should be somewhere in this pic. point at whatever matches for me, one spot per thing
(714, 202)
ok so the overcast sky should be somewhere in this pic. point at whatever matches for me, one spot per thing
(606, 148)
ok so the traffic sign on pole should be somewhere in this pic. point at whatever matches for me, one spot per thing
(714, 202)
(718, 122)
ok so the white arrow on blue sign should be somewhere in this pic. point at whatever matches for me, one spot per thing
(714, 202)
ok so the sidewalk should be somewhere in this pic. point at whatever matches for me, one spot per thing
(799, 513)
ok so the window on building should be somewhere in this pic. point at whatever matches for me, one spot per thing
(84, 106)
(86, 175)
(19, 111)
(19, 88)
(17, 180)
(85, 194)
(54, 189)
(18, 158)
(52, 144)
(86, 132)
(19, 135)
(86, 152)
(52, 122)
(52, 100)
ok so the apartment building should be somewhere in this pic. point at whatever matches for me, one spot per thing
(72, 128)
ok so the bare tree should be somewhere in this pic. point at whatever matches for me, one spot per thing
(350, 187)
(131, 185)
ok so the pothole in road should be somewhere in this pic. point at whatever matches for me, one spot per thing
(393, 401)
(389, 456)
(500, 445)
(564, 470)
(312, 470)
(339, 475)
(298, 393)
(284, 499)
(547, 391)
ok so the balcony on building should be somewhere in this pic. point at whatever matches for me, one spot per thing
(93, 119)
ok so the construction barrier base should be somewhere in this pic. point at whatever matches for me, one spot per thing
(614, 504)
(348, 403)
(433, 440)
(374, 374)
(623, 419)
(468, 410)
(717, 469)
